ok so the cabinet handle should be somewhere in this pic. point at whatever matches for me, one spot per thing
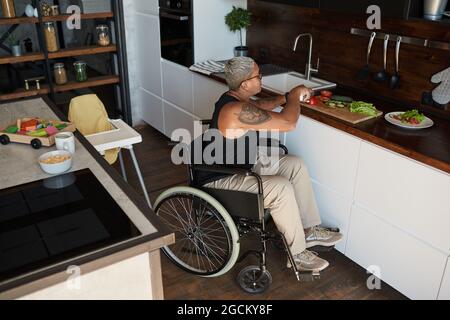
(173, 16)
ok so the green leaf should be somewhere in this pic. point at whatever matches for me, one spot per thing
(238, 19)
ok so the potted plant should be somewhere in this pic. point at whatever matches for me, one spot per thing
(14, 43)
(237, 20)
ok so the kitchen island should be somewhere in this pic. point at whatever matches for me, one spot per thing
(121, 267)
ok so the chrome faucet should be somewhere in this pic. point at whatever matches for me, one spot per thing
(308, 69)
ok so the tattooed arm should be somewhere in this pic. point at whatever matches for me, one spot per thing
(248, 116)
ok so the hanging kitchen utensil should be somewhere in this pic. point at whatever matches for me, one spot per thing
(395, 80)
(382, 75)
(364, 72)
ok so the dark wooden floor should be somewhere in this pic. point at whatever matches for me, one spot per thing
(344, 279)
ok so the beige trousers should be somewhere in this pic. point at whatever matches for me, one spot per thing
(288, 194)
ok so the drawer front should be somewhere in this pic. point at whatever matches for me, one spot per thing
(406, 193)
(334, 211)
(331, 155)
(175, 118)
(152, 110)
(149, 53)
(407, 264)
(206, 94)
(177, 85)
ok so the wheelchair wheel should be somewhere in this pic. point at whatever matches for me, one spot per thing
(252, 280)
(206, 238)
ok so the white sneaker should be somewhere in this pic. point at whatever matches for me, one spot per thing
(322, 237)
(308, 261)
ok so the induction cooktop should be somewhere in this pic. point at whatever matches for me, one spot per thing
(52, 220)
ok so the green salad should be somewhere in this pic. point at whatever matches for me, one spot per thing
(411, 117)
(363, 107)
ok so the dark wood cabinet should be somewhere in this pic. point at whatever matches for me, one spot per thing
(402, 9)
(303, 3)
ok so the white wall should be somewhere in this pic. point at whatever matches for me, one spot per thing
(213, 39)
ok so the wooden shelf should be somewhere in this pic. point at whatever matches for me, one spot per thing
(91, 82)
(72, 52)
(45, 89)
(62, 17)
(26, 57)
(22, 93)
(84, 16)
(63, 53)
(18, 20)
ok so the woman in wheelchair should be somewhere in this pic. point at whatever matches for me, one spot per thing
(224, 202)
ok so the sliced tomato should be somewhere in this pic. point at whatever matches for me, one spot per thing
(326, 93)
(414, 121)
(324, 99)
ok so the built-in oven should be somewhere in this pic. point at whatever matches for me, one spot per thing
(176, 25)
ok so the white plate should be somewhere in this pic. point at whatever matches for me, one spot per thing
(426, 123)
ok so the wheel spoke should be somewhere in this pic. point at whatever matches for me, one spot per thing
(203, 242)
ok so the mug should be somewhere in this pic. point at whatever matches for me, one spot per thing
(65, 141)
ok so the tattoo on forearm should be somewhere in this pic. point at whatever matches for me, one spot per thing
(251, 114)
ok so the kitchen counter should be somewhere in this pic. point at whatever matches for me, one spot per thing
(19, 165)
(429, 146)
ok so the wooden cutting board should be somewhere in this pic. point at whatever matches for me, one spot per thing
(343, 114)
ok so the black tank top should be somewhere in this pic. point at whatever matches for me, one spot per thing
(245, 148)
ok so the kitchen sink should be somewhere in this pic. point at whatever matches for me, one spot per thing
(284, 82)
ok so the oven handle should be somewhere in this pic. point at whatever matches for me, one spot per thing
(173, 16)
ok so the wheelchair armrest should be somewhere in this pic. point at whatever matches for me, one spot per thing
(221, 169)
(284, 148)
(232, 171)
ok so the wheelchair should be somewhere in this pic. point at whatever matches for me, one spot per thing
(209, 224)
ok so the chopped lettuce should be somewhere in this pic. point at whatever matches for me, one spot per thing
(363, 107)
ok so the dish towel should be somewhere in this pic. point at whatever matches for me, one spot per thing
(208, 67)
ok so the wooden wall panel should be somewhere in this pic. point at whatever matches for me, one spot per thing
(275, 27)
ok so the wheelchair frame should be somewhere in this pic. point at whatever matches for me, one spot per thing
(246, 223)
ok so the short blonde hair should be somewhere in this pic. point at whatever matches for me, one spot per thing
(237, 70)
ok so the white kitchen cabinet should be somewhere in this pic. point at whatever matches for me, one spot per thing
(334, 210)
(176, 118)
(206, 93)
(405, 193)
(151, 109)
(405, 263)
(177, 85)
(330, 154)
(147, 6)
(149, 53)
(444, 292)
(130, 279)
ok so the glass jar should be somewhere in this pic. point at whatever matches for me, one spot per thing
(103, 38)
(80, 71)
(8, 9)
(50, 36)
(60, 73)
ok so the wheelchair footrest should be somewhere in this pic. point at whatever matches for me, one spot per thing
(308, 276)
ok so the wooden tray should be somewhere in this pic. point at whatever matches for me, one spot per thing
(45, 141)
(343, 114)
